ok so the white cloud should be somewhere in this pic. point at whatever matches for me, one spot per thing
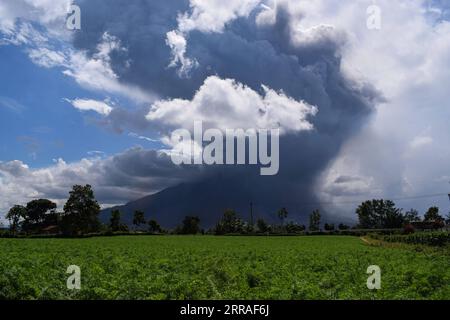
(213, 15)
(117, 179)
(100, 107)
(408, 61)
(227, 104)
(177, 43)
(95, 73)
(137, 136)
(49, 13)
(205, 16)
(47, 58)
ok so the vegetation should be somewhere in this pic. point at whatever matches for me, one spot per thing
(433, 215)
(115, 224)
(379, 214)
(206, 267)
(81, 211)
(80, 217)
(139, 218)
(423, 238)
(262, 226)
(314, 221)
(211, 267)
(230, 223)
(282, 215)
(191, 225)
(14, 215)
(154, 227)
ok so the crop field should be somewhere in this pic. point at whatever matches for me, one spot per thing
(209, 267)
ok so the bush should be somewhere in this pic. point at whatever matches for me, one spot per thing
(408, 229)
(424, 238)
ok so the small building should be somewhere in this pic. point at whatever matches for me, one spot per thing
(50, 230)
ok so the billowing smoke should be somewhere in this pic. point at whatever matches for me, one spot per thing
(240, 63)
(173, 48)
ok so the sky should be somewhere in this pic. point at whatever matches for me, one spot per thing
(363, 107)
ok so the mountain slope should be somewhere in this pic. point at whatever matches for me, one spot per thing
(207, 199)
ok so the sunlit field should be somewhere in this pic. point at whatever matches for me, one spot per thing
(207, 267)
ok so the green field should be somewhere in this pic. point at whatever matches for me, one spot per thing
(208, 267)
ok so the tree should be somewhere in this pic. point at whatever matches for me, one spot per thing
(314, 221)
(191, 225)
(262, 225)
(114, 221)
(448, 218)
(379, 214)
(292, 227)
(139, 218)
(433, 215)
(154, 227)
(342, 226)
(230, 223)
(38, 215)
(282, 215)
(81, 211)
(411, 215)
(14, 215)
(329, 227)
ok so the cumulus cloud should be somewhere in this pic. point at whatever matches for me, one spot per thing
(116, 179)
(227, 104)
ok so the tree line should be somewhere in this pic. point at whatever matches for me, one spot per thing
(80, 216)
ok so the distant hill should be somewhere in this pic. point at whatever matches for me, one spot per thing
(208, 200)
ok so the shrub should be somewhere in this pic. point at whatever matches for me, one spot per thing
(424, 238)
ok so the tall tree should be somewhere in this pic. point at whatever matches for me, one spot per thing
(154, 227)
(14, 215)
(81, 211)
(191, 225)
(433, 215)
(343, 226)
(138, 218)
(314, 221)
(378, 214)
(229, 223)
(38, 213)
(412, 215)
(262, 225)
(282, 215)
(114, 222)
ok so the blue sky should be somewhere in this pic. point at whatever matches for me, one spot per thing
(37, 125)
(105, 98)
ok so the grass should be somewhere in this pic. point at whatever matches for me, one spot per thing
(208, 267)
